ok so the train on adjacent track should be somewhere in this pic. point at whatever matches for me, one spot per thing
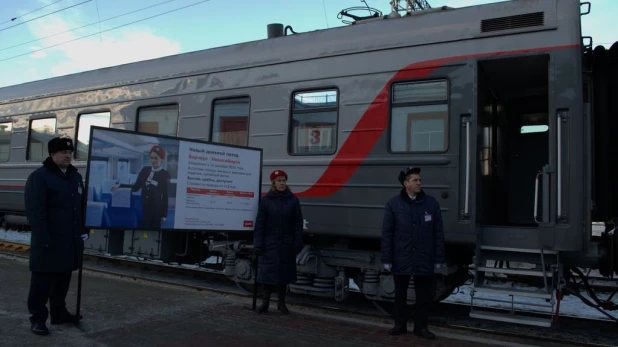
(504, 106)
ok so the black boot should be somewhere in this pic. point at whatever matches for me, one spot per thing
(265, 299)
(398, 329)
(39, 328)
(281, 302)
(425, 333)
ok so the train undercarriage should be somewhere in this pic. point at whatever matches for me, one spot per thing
(331, 270)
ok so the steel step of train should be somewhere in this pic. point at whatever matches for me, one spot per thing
(538, 259)
(531, 293)
(508, 296)
(511, 318)
(526, 255)
(514, 271)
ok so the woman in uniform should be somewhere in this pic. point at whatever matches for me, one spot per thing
(153, 180)
(278, 238)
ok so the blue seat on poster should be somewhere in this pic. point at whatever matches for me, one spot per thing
(95, 213)
(136, 205)
(122, 217)
(106, 198)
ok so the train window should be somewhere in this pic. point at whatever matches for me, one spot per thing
(41, 131)
(5, 140)
(162, 120)
(314, 122)
(230, 121)
(419, 117)
(83, 131)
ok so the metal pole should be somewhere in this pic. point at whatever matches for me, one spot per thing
(255, 262)
(79, 287)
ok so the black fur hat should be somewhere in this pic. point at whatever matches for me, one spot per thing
(408, 171)
(58, 144)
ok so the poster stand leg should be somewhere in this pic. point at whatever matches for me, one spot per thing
(78, 317)
(254, 259)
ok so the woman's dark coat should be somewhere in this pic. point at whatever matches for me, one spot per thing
(53, 202)
(154, 196)
(412, 234)
(278, 234)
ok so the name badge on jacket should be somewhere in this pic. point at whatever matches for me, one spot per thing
(427, 217)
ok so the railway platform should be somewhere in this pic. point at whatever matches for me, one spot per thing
(120, 312)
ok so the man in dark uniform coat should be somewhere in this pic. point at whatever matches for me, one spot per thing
(412, 245)
(53, 201)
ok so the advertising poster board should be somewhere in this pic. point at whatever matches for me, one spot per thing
(142, 181)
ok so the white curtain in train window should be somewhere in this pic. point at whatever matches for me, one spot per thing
(161, 120)
(418, 128)
(86, 121)
(419, 116)
(5, 140)
(41, 131)
(425, 135)
(231, 121)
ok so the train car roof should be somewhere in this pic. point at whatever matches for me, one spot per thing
(374, 34)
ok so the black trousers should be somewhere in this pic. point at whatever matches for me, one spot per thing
(46, 286)
(150, 221)
(425, 291)
(270, 288)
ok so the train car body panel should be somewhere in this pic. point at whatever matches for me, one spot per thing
(352, 182)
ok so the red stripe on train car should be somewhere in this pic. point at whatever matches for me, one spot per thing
(374, 122)
(11, 187)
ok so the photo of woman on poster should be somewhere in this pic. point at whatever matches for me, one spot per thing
(154, 182)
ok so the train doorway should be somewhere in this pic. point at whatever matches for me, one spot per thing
(513, 138)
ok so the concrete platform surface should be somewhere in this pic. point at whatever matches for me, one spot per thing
(120, 312)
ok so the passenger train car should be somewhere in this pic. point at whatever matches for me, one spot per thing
(504, 106)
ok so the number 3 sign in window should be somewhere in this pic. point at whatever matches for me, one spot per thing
(316, 137)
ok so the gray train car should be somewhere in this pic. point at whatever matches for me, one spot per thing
(503, 106)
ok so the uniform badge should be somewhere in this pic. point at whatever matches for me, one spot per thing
(427, 217)
(79, 190)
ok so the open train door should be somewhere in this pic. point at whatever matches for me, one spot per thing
(514, 146)
(518, 136)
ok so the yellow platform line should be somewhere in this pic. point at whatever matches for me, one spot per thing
(14, 246)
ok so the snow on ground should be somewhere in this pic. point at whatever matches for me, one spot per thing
(570, 305)
(15, 236)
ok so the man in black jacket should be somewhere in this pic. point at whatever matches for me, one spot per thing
(53, 200)
(412, 245)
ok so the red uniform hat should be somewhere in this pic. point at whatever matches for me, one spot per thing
(159, 150)
(278, 173)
